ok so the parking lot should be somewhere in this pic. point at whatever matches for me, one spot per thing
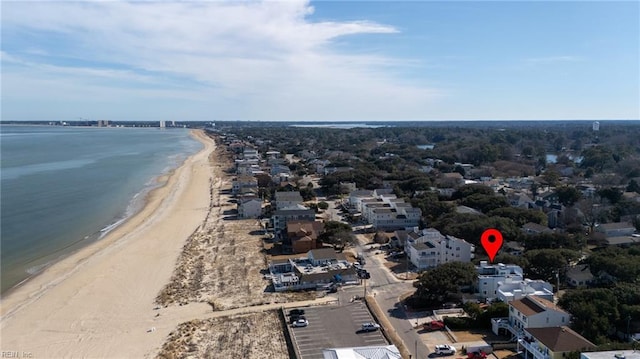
(334, 327)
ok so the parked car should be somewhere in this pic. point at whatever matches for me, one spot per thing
(476, 355)
(434, 325)
(370, 327)
(296, 312)
(445, 349)
(295, 318)
(300, 323)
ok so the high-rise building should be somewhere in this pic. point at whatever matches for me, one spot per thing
(162, 124)
(596, 126)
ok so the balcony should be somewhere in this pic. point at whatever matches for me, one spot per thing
(532, 349)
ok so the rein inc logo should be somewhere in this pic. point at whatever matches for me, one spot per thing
(15, 354)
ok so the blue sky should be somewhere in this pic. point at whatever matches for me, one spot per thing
(333, 61)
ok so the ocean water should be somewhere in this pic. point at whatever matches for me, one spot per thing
(62, 188)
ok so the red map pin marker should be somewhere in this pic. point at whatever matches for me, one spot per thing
(491, 241)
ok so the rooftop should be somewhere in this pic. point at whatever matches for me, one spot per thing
(531, 305)
(560, 339)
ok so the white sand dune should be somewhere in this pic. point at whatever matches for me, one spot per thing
(98, 302)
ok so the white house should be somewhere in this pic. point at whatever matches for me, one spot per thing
(490, 275)
(385, 211)
(429, 248)
(249, 207)
(511, 290)
(530, 312)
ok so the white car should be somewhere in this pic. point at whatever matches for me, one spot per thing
(300, 323)
(370, 327)
(445, 349)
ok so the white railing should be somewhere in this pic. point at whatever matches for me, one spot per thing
(534, 349)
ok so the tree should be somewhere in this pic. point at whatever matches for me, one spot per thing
(594, 311)
(633, 186)
(484, 203)
(337, 234)
(323, 205)
(442, 283)
(613, 195)
(470, 189)
(550, 177)
(545, 264)
(520, 216)
(568, 195)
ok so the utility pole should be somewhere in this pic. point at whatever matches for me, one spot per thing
(365, 288)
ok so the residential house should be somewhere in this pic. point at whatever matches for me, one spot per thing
(303, 235)
(319, 257)
(623, 241)
(243, 184)
(299, 212)
(530, 312)
(579, 276)
(490, 275)
(613, 354)
(250, 153)
(616, 229)
(317, 270)
(273, 154)
(534, 228)
(249, 207)
(429, 248)
(520, 200)
(511, 290)
(287, 199)
(329, 170)
(513, 247)
(279, 169)
(552, 342)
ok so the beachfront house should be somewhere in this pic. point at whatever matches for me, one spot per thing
(529, 312)
(249, 207)
(318, 270)
(551, 343)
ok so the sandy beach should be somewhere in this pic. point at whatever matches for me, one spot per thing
(99, 302)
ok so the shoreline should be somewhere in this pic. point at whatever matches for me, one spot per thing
(90, 302)
(134, 207)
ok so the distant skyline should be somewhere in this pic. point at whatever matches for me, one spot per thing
(320, 60)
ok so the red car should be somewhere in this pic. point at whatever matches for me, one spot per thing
(433, 325)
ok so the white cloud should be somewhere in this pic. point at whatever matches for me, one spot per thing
(245, 60)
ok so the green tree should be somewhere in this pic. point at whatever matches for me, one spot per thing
(337, 234)
(323, 205)
(545, 264)
(568, 195)
(484, 203)
(440, 284)
(594, 311)
(471, 189)
(520, 216)
(613, 195)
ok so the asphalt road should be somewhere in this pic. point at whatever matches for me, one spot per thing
(387, 289)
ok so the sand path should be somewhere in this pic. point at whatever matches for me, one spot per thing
(98, 302)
